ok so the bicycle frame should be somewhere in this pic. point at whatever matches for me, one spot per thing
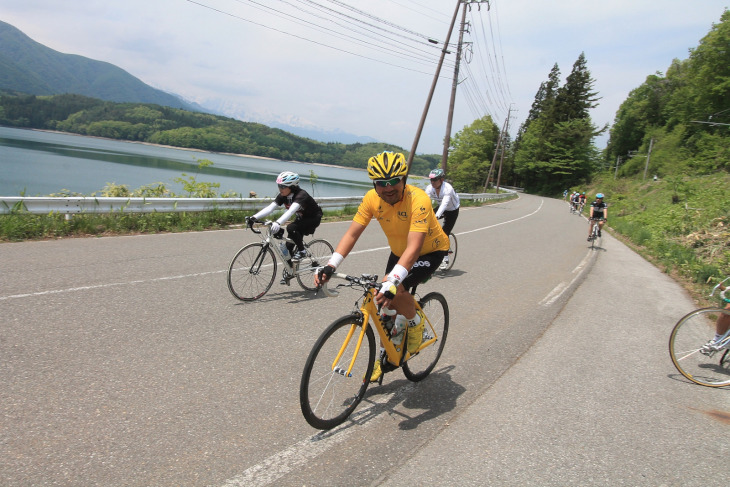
(268, 242)
(368, 312)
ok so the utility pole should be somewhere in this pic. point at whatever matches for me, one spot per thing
(618, 161)
(496, 149)
(444, 51)
(454, 83)
(501, 157)
(646, 168)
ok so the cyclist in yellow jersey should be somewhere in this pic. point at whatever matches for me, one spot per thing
(416, 240)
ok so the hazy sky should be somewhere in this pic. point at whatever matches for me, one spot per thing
(366, 67)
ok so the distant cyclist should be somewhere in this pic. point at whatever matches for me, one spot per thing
(575, 200)
(598, 215)
(297, 202)
(417, 243)
(444, 194)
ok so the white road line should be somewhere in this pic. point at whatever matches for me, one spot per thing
(558, 290)
(503, 223)
(276, 466)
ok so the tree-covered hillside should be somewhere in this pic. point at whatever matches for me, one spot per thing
(683, 116)
(180, 128)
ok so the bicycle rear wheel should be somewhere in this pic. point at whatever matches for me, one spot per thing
(320, 252)
(327, 393)
(251, 272)
(688, 336)
(422, 363)
(453, 247)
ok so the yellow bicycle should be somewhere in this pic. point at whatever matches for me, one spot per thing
(338, 369)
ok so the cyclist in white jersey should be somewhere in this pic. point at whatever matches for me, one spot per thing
(449, 204)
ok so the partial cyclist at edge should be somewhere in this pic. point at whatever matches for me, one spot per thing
(297, 202)
(417, 243)
(722, 325)
(598, 215)
(444, 194)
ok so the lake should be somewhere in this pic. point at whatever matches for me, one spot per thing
(38, 163)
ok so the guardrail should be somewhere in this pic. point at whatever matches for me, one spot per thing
(72, 205)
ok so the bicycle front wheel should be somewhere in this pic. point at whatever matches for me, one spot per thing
(328, 393)
(320, 252)
(453, 245)
(422, 363)
(707, 368)
(251, 272)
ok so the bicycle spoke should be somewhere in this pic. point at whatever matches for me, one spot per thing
(437, 326)
(319, 251)
(328, 394)
(251, 272)
(704, 366)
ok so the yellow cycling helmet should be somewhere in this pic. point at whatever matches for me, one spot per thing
(387, 165)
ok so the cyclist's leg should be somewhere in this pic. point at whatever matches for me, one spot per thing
(723, 324)
(450, 220)
(422, 270)
(301, 227)
(294, 230)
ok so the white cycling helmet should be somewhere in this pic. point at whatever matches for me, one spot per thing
(288, 179)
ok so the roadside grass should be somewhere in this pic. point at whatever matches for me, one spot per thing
(680, 224)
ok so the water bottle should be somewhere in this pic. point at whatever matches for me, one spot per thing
(284, 250)
(399, 327)
(386, 318)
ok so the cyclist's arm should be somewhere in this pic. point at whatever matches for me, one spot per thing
(410, 255)
(413, 249)
(444, 204)
(288, 213)
(266, 211)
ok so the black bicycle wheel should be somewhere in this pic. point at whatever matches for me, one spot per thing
(251, 272)
(706, 367)
(453, 247)
(437, 328)
(320, 252)
(327, 393)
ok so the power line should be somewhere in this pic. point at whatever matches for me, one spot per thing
(307, 39)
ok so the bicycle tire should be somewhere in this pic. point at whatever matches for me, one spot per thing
(421, 364)
(327, 397)
(320, 251)
(690, 333)
(453, 247)
(251, 272)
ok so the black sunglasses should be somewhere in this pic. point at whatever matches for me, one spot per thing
(282, 186)
(384, 183)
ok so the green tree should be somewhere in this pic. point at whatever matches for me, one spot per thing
(472, 153)
(556, 148)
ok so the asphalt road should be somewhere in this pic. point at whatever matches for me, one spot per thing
(126, 361)
(595, 401)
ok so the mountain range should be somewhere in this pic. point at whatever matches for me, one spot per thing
(27, 66)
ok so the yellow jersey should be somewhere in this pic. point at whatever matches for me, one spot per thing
(413, 213)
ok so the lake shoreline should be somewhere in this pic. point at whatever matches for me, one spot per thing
(191, 149)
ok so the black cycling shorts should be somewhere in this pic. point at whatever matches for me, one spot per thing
(422, 269)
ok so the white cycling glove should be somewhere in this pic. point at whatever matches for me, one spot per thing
(275, 227)
(390, 285)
